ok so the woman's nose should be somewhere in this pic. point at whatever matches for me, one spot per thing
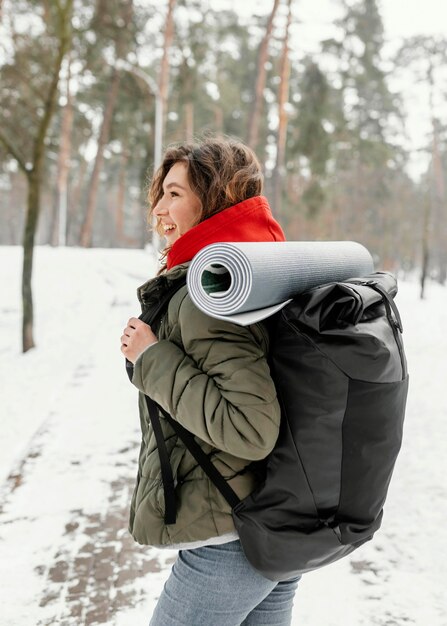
(159, 208)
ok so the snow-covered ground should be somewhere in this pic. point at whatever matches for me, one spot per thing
(69, 442)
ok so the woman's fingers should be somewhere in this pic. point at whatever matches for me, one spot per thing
(134, 322)
(136, 337)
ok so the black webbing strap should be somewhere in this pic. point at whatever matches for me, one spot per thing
(188, 439)
(165, 465)
(166, 471)
(149, 317)
(203, 460)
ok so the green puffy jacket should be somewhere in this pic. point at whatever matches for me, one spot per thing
(213, 378)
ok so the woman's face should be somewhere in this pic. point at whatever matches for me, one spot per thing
(179, 208)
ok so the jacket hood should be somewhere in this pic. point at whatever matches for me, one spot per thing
(249, 220)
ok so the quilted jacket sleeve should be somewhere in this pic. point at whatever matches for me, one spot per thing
(218, 385)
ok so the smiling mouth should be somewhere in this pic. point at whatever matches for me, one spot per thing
(169, 228)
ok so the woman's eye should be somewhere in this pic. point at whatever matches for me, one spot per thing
(173, 193)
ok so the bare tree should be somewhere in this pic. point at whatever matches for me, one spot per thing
(163, 82)
(59, 218)
(33, 167)
(253, 131)
(279, 171)
(112, 95)
(189, 120)
(121, 238)
(123, 22)
(426, 55)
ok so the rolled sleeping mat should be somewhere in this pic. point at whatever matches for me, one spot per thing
(247, 282)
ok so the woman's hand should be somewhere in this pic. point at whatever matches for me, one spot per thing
(137, 336)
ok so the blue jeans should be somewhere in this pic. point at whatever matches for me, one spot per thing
(217, 586)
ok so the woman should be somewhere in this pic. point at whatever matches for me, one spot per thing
(213, 378)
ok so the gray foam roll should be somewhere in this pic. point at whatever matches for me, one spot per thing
(260, 275)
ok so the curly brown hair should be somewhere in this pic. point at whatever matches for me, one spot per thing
(221, 171)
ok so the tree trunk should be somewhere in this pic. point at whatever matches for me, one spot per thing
(121, 196)
(34, 173)
(34, 176)
(436, 186)
(32, 216)
(253, 130)
(74, 202)
(426, 233)
(112, 96)
(59, 229)
(279, 171)
(87, 226)
(189, 121)
(163, 83)
(439, 217)
(425, 247)
(218, 119)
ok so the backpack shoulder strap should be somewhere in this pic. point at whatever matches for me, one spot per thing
(153, 314)
(199, 455)
(150, 317)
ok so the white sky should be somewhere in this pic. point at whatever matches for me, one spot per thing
(402, 18)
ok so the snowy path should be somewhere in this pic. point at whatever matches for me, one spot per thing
(69, 444)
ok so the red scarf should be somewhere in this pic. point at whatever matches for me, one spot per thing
(250, 220)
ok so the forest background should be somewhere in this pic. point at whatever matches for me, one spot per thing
(83, 83)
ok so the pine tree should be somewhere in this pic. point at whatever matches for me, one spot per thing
(364, 154)
(311, 138)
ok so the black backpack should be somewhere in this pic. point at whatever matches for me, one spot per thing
(338, 362)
